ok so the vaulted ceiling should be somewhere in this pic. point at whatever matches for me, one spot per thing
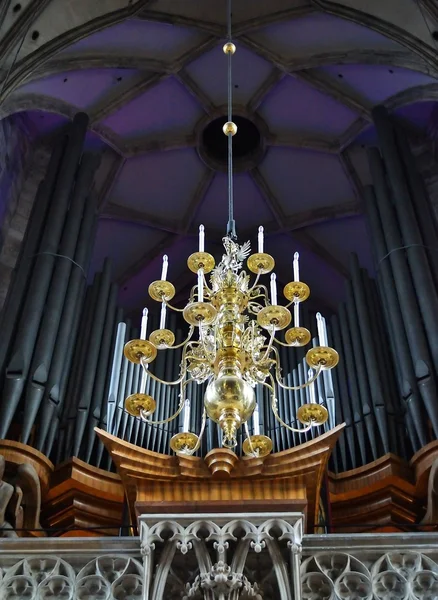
(152, 76)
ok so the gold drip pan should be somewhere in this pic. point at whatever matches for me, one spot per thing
(161, 290)
(322, 356)
(261, 263)
(137, 350)
(275, 316)
(257, 446)
(199, 313)
(136, 403)
(312, 414)
(296, 291)
(162, 338)
(184, 442)
(297, 336)
(201, 260)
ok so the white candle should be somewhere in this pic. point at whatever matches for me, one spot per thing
(260, 240)
(312, 398)
(296, 267)
(164, 269)
(186, 416)
(322, 330)
(201, 238)
(144, 324)
(200, 286)
(163, 316)
(273, 289)
(256, 421)
(296, 314)
(144, 378)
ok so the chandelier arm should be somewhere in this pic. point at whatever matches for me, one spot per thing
(248, 437)
(174, 416)
(172, 307)
(201, 335)
(252, 306)
(268, 348)
(318, 371)
(189, 335)
(264, 293)
(277, 416)
(254, 285)
(207, 287)
(176, 382)
(201, 432)
(282, 343)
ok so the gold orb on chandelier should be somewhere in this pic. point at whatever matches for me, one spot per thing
(230, 128)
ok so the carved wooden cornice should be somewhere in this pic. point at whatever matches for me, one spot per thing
(388, 494)
(83, 497)
(289, 480)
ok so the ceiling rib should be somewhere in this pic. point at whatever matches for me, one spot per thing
(268, 196)
(198, 198)
(383, 27)
(289, 14)
(156, 143)
(303, 237)
(291, 140)
(181, 20)
(33, 61)
(339, 93)
(166, 244)
(111, 178)
(21, 26)
(194, 90)
(351, 175)
(309, 242)
(124, 214)
(115, 100)
(121, 96)
(415, 94)
(396, 58)
(421, 93)
(275, 76)
(315, 216)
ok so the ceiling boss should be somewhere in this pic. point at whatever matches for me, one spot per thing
(233, 334)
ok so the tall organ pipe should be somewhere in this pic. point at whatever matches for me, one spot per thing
(411, 316)
(360, 368)
(425, 290)
(93, 346)
(407, 381)
(348, 355)
(422, 206)
(68, 329)
(42, 356)
(369, 351)
(23, 268)
(344, 395)
(34, 305)
(68, 418)
(101, 372)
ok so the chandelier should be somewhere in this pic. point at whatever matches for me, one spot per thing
(232, 342)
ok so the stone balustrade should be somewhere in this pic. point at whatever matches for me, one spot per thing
(222, 557)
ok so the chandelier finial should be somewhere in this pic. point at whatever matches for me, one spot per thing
(230, 128)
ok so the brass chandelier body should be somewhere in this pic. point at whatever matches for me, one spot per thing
(236, 347)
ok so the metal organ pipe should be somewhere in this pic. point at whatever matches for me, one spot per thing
(424, 290)
(68, 328)
(23, 269)
(407, 301)
(48, 329)
(30, 318)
